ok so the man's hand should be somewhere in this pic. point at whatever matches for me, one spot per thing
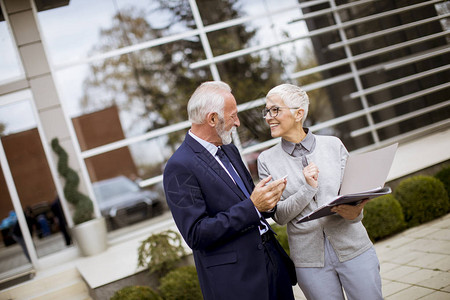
(349, 212)
(266, 195)
(311, 173)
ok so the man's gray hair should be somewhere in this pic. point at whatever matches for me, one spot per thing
(208, 97)
(292, 95)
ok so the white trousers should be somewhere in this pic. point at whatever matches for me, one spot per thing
(359, 277)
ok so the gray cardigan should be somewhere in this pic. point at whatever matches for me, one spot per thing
(306, 240)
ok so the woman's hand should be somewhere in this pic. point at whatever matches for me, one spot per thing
(349, 212)
(311, 173)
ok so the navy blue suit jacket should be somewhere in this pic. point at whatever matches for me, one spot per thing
(217, 221)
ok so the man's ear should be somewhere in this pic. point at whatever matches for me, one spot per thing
(212, 118)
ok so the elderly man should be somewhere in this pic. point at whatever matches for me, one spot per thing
(218, 210)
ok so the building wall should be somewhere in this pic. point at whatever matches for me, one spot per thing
(30, 169)
(213, 48)
(100, 128)
(340, 92)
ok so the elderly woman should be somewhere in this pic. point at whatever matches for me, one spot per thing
(333, 253)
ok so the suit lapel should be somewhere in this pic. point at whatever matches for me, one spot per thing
(211, 162)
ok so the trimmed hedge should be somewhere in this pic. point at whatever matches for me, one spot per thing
(415, 200)
(444, 176)
(136, 292)
(383, 217)
(84, 208)
(181, 284)
(423, 198)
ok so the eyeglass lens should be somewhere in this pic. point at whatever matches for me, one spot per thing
(273, 111)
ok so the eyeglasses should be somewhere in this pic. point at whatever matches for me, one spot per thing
(274, 110)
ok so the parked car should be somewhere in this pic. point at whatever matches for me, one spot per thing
(123, 202)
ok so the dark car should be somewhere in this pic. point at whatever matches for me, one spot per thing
(123, 202)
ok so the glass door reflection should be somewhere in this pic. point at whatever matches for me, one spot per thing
(14, 256)
(36, 191)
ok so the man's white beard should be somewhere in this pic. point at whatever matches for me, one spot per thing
(224, 135)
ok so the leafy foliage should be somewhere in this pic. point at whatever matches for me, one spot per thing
(181, 284)
(444, 176)
(282, 237)
(148, 86)
(136, 293)
(383, 217)
(2, 128)
(83, 204)
(152, 86)
(423, 198)
(161, 252)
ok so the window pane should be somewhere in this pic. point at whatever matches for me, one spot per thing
(150, 88)
(168, 17)
(32, 179)
(13, 252)
(120, 180)
(67, 38)
(107, 25)
(10, 67)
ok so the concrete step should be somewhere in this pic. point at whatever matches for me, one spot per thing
(64, 284)
(74, 290)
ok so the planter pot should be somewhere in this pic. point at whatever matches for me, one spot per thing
(90, 236)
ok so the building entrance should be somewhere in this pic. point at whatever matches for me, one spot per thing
(32, 221)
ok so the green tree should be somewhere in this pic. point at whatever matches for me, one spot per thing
(2, 129)
(148, 85)
(153, 85)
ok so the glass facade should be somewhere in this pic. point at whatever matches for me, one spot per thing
(10, 66)
(377, 58)
(24, 162)
(146, 58)
(376, 71)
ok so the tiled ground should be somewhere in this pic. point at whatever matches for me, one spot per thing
(415, 264)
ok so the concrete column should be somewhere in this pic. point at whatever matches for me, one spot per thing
(40, 81)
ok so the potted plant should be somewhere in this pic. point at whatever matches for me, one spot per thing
(88, 232)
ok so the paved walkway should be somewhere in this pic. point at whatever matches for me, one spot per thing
(415, 264)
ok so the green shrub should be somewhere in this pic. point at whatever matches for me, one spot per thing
(444, 176)
(383, 217)
(282, 237)
(423, 198)
(136, 293)
(83, 205)
(181, 284)
(161, 252)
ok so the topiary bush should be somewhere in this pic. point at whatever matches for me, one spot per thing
(423, 198)
(181, 284)
(383, 217)
(282, 237)
(161, 252)
(136, 293)
(444, 176)
(83, 205)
